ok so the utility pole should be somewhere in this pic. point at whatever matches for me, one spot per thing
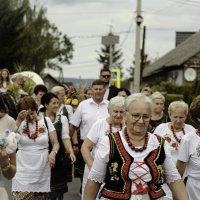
(139, 20)
(143, 55)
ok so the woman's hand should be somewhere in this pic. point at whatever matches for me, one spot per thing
(4, 158)
(21, 116)
(52, 159)
(72, 157)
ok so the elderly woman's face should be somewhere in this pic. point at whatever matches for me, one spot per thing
(117, 114)
(158, 105)
(138, 117)
(178, 117)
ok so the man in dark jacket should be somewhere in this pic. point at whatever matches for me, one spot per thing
(111, 90)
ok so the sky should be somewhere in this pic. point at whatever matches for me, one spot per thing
(86, 21)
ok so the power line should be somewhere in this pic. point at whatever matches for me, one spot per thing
(163, 9)
(190, 3)
(128, 31)
(90, 13)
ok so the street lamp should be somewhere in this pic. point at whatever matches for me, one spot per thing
(139, 19)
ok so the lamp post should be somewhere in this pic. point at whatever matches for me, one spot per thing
(139, 20)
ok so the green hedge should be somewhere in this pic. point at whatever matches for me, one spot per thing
(172, 97)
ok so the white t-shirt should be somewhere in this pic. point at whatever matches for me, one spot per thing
(33, 170)
(164, 131)
(189, 152)
(87, 113)
(99, 167)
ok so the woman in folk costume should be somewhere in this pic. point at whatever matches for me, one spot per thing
(133, 162)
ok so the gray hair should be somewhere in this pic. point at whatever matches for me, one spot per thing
(116, 101)
(178, 105)
(138, 97)
(157, 95)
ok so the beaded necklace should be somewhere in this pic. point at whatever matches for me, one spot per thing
(27, 131)
(110, 125)
(174, 134)
(198, 131)
(132, 146)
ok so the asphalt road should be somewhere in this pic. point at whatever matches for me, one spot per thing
(73, 192)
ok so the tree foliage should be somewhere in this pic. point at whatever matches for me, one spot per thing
(28, 40)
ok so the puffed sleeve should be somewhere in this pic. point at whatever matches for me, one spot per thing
(99, 166)
(70, 111)
(65, 127)
(170, 170)
(50, 125)
(184, 154)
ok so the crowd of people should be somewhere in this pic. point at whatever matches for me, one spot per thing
(120, 145)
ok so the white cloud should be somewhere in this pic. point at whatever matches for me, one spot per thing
(89, 18)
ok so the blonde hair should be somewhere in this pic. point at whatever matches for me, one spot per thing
(178, 105)
(57, 89)
(157, 95)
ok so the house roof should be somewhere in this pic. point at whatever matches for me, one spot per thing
(177, 56)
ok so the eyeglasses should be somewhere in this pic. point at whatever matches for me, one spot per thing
(136, 117)
(105, 76)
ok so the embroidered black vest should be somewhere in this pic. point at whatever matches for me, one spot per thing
(117, 182)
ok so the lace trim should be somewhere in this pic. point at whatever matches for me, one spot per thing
(95, 177)
(173, 178)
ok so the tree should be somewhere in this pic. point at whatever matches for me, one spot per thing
(28, 40)
(104, 56)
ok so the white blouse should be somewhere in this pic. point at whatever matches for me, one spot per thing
(98, 131)
(33, 170)
(138, 167)
(189, 152)
(164, 131)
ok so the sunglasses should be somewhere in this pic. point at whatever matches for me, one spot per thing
(106, 76)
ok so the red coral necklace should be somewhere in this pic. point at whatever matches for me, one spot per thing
(26, 131)
(174, 134)
(132, 146)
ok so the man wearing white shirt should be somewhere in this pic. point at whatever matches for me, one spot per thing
(89, 111)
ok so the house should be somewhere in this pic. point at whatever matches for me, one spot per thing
(180, 65)
(51, 81)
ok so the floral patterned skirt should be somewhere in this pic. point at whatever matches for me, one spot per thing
(30, 196)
